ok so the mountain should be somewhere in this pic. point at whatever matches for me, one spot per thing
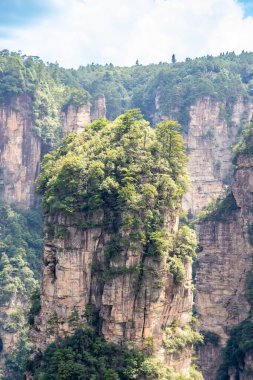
(40, 104)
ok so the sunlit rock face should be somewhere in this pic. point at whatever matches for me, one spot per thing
(209, 139)
(223, 264)
(75, 119)
(134, 307)
(20, 154)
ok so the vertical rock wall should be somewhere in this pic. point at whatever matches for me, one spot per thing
(20, 148)
(223, 265)
(135, 297)
(75, 119)
(209, 139)
(20, 154)
(99, 108)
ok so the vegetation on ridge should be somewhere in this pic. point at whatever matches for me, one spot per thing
(86, 356)
(20, 263)
(164, 89)
(134, 174)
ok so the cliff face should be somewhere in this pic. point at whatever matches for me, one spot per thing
(75, 119)
(99, 108)
(223, 265)
(209, 139)
(20, 148)
(135, 298)
(20, 153)
(20, 157)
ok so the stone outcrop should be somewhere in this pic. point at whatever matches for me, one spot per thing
(75, 119)
(209, 139)
(99, 108)
(223, 265)
(21, 149)
(20, 157)
(20, 154)
(134, 295)
(213, 128)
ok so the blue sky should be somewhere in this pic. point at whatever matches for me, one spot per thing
(77, 32)
(247, 7)
(22, 12)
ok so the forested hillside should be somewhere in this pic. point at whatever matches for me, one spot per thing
(166, 88)
(172, 86)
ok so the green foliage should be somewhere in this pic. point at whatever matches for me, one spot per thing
(21, 251)
(133, 174)
(239, 344)
(176, 268)
(85, 355)
(245, 145)
(35, 306)
(211, 337)
(16, 76)
(46, 107)
(182, 249)
(15, 361)
(20, 261)
(178, 338)
(219, 210)
(76, 97)
(165, 89)
(31, 80)
(185, 243)
(88, 356)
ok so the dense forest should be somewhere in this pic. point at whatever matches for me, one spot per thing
(163, 89)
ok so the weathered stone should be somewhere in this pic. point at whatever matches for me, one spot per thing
(223, 265)
(20, 154)
(75, 119)
(209, 139)
(135, 306)
(99, 108)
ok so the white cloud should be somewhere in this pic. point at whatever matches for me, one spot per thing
(85, 31)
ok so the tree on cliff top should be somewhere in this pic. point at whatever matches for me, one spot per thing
(116, 164)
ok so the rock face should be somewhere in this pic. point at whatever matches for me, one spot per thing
(20, 157)
(20, 148)
(20, 154)
(209, 140)
(210, 136)
(223, 265)
(134, 296)
(99, 108)
(75, 119)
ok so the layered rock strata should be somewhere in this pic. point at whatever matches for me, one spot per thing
(224, 262)
(211, 132)
(21, 149)
(133, 296)
(75, 119)
(20, 154)
(99, 108)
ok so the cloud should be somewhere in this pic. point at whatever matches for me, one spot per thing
(85, 31)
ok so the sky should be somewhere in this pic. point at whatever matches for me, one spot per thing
(78, 32)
